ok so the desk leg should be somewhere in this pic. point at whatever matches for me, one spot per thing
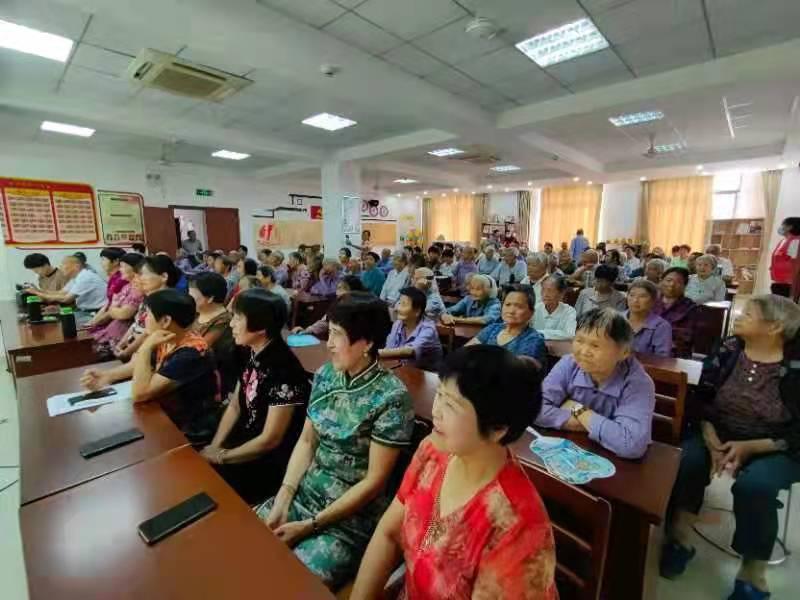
(627, 555)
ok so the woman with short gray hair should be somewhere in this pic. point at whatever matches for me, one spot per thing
(705, 285)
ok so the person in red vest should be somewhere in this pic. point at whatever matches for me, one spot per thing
(785, 262)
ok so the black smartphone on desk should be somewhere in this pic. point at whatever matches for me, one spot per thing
(91, 396)
(176, 518)
(110, 443)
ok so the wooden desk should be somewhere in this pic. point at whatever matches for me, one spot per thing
(49, 446)
(84, 542)
(639, 491)
(36, 349)
(307, 308)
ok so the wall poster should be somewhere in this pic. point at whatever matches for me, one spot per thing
(121, 217)
(47, 212)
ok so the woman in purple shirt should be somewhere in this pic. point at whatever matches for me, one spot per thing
(651, 333)
(413, 337)
(328, 279)
(600, 388)
(678, 310)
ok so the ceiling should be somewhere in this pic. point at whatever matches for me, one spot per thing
(414, 81)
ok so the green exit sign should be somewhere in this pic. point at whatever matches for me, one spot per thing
(200, 192)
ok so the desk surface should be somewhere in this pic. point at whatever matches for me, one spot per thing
(645, 484)
(19, 335)
(84, 543)
(49, 445)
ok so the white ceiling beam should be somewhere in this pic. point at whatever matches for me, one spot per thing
(396, 143)
(284, 169)
(755, 65)
(426, 174)
(565, 157)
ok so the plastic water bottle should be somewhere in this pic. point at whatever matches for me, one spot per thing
(69, 328)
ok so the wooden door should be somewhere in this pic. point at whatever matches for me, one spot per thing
(159, 227)
(222, 228)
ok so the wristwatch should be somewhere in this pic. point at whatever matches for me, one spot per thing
(578, 410)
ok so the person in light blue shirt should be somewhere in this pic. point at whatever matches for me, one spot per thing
(481, 306)
(424, 280)
(510, 271)
(385, 263)
(488, 262)
(413, 338)
(396, 280)
(578, 245)
(372, 277)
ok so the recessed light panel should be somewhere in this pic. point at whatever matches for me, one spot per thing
(67, 129)
(441, 152)
(563, 43)
(230, 155)
(405, 180)
(636, 118)
(328, 122)
(32, 41)
(505, 168)
(665, 148)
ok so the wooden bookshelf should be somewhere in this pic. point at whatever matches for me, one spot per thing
(505, 227)
(741, 241)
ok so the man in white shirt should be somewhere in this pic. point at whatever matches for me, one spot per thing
(84, 287)
(724, 265)
(554, 319)
(537, 272)
(510, 270)
(397, 279)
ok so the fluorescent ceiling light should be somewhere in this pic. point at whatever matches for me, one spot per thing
(446, 152)
(230, 155)
(456, 190)
(67, 128)
(425, 192)
(563, 43)
(699, 167)
(664, 148)
(405, 180)
(328, 122)
(490, 186)
(530, 183)
(576, 179)
(506, 168)
(636, 118)
(642, 178)
(782, 165)
(588, 183)
(508, 190)
(32, 41)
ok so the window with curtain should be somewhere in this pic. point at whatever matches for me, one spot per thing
(567, 208)
(676, 211)
(457, 217)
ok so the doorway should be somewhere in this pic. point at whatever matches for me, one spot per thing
(187, 220)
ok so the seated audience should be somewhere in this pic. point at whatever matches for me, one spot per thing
(724, 265)
(359, 418)
(425, 281)
(109, 261)
(266, 276)
(396, 280)
(110, 324)
(154, 273)
(692, 259)
(751, 431)
(614, 259)
(83, 287)
(480, 307)
(553, 318)
(49, 278)
(601, 388)
(413, 338)
(548, 249)
(246, 267)
(602, 294)
(172, 358)
(328, 279)
(488, 262)
(632, 262)
(139, 248)
(225, 267)
(565, 263)
(280, 268)
(678, 310)
(536, 265)
(514, 332)
(705, 285)
(297, 273)
(447, 265)
(263, 256)
(213, 324)
(510, 270)
(372, 277)
(465, 267)
(386, 264)
(654, 270)
(651, 333)
(264, 419)
(583, 276)
(345, 254)
(681, 257)
(347, 284)
(434, 258)
(492, 537)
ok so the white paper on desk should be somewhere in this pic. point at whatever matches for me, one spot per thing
(59, 404)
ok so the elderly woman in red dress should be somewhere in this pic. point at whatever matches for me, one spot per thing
(467, 521)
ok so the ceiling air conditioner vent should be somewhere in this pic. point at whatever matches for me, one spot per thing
(171, 74)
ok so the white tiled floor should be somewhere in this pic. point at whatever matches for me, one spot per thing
(709, 577)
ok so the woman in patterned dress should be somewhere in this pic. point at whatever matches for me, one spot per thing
(359, 418)
(467, 521)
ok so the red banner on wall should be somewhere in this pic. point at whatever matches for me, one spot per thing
(47, 212)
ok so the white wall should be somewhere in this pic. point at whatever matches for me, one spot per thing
(101, 171)
(504, 205)
(619, 211)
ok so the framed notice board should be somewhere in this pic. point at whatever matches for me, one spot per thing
(47, 212)
(121, 217)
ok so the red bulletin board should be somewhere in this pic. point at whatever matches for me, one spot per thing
(47, 212)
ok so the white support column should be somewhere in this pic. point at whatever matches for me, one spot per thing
(339, 179)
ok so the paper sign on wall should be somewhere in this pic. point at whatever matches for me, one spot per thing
(121, 217)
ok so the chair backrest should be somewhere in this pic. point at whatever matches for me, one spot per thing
(581, 524)
(708, 328)
(671, 389)
(571, 295)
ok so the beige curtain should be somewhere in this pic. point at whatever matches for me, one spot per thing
(676, 211)
(565, 209)
(523, 217)
(457, 217)
(771, 185)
